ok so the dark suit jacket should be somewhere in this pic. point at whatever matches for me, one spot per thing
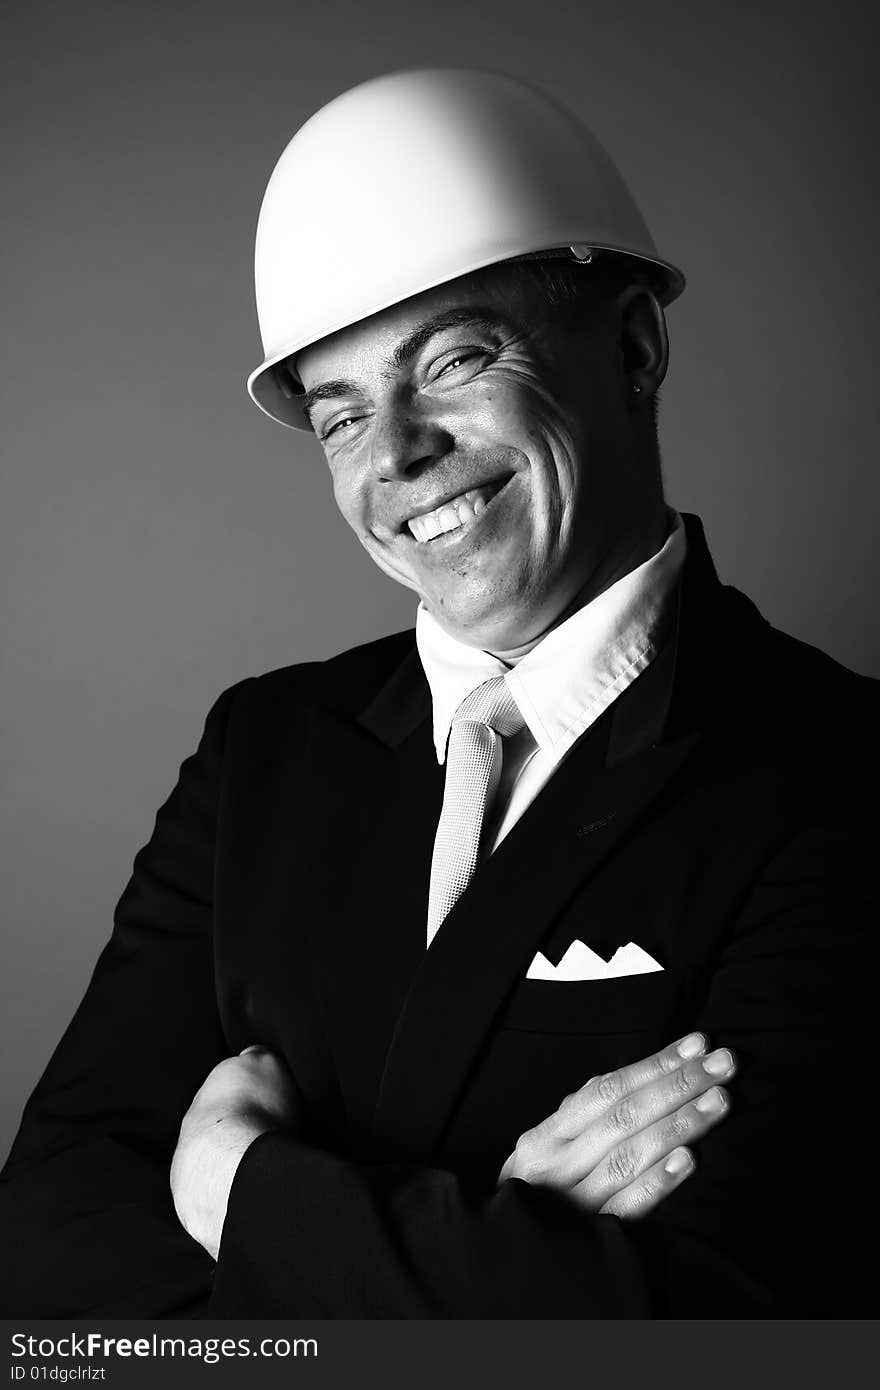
(282, 899)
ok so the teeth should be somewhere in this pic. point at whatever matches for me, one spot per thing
(453, 514)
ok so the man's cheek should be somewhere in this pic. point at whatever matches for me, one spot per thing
(343, 497)
(354, 513)
(394, 568)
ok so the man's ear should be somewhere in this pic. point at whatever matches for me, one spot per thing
(644, 344)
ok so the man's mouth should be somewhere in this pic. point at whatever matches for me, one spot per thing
(455, 513)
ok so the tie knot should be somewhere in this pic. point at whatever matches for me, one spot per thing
(491, 703)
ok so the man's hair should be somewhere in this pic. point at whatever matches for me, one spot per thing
(578, 288)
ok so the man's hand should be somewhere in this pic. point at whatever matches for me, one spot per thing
(242, 1097)
(616, 1145)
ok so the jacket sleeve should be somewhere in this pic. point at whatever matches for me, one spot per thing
(88, 1224)
(775, 1221)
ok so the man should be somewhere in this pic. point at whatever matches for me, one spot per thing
(442, 952)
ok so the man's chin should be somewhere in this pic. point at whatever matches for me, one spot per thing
(502, 634)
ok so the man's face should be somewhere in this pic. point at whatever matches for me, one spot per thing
(475, 446)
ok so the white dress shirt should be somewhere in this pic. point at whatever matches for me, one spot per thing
(564, 683)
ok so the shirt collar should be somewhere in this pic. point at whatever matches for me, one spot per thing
(577, 670)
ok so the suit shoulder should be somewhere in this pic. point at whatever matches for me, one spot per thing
(802, 712)
(344, 682)
(820, 687)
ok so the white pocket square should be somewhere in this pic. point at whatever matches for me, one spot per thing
(580, 963)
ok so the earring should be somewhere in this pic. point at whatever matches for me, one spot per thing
(637, 390)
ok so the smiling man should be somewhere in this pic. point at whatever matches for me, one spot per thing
(425, 995)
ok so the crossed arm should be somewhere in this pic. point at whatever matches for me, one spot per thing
(617, 1147)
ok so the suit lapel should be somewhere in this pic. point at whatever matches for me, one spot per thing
(373, 813)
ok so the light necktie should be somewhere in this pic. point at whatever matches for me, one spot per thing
(473, 767)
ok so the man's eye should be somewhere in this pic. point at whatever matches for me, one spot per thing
(461, 359)
(346, 420)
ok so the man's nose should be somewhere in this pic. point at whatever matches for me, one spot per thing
(406, 440)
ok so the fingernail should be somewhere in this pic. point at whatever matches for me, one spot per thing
(691, 1046)
(678, 1162)
(712, 1102)
(718, 1063)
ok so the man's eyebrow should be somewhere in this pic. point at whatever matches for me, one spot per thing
(471, 317)
(486, 319)
(327, 391)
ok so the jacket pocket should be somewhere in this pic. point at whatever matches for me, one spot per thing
(631, 1004)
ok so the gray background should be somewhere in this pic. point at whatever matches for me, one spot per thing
(161, 539)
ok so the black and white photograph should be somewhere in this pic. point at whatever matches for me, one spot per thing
(440, 704)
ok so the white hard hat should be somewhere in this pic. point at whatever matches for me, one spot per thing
(413, 179)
